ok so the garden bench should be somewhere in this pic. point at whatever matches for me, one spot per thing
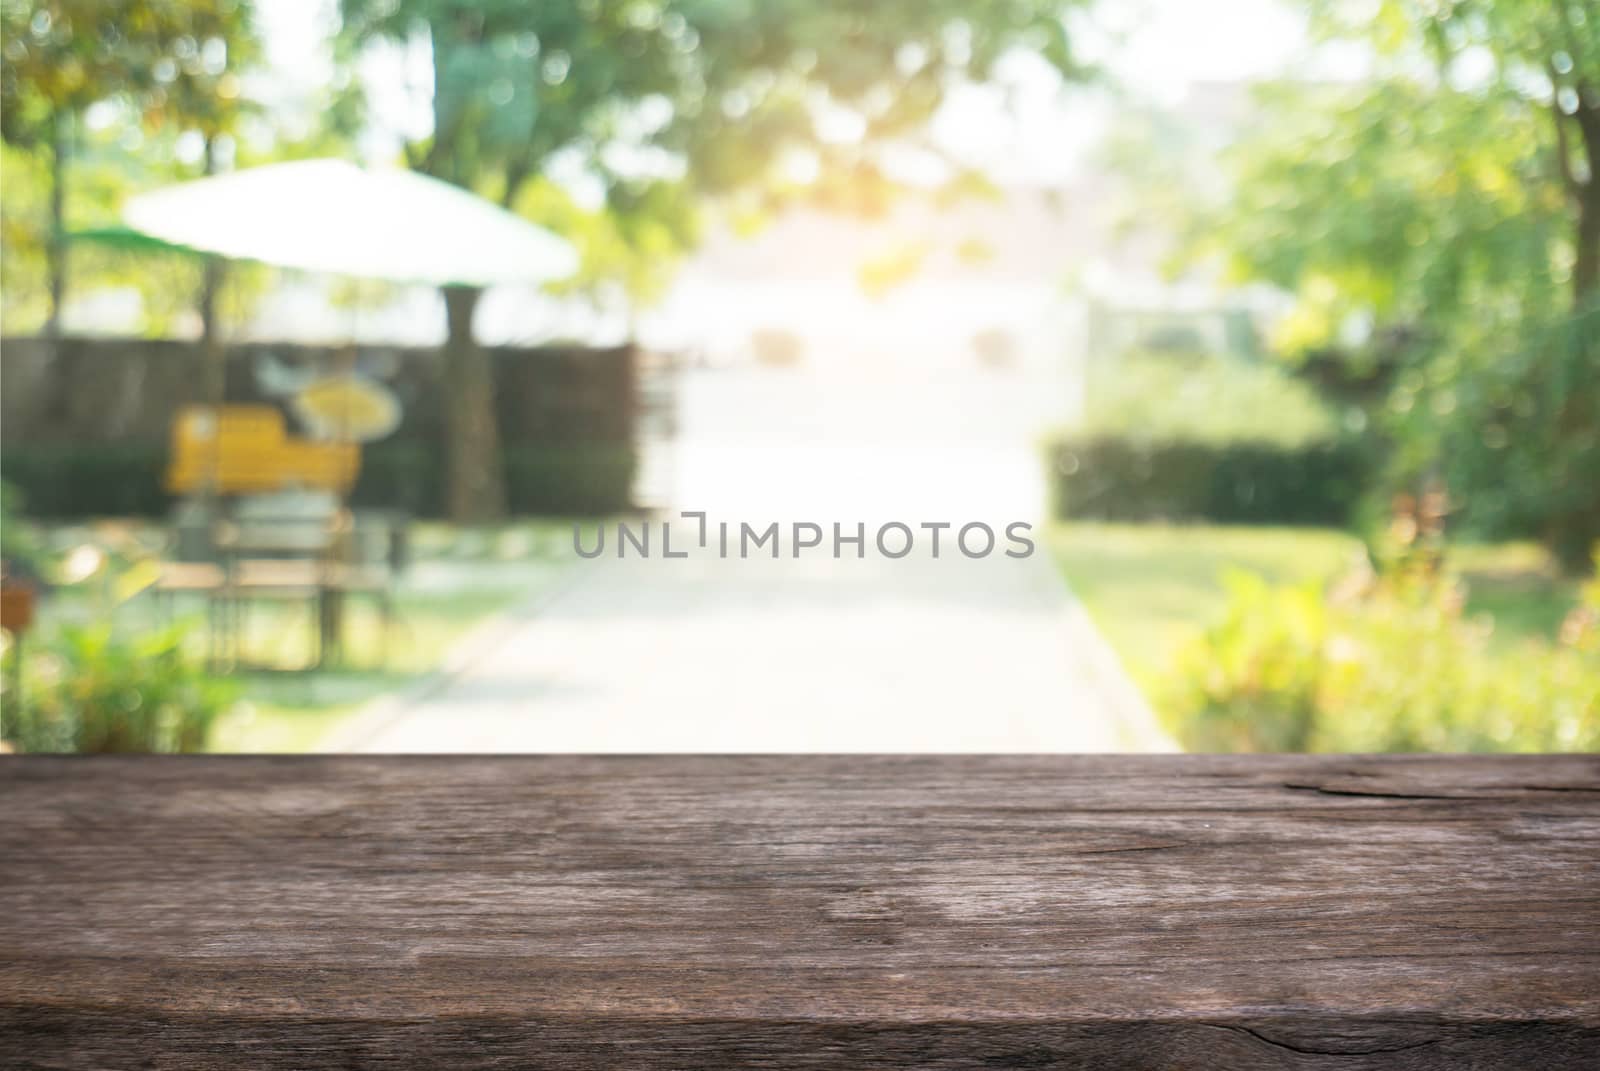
(291, 548)
(1097, 912)
(320, 556)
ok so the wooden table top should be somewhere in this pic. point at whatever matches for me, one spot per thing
(1096, 912)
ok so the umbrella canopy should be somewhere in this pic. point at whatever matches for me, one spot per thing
(125, 239)
(333, 217)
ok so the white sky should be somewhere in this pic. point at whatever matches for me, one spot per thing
(1155, 49)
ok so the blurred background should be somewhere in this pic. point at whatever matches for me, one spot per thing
(325, 321)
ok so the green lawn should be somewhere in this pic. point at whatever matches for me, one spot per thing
(294, 711)
(461, 578)
(1152, 587)
(1518, 586)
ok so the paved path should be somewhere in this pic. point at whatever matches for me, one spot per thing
(811, 654)
(726, 655)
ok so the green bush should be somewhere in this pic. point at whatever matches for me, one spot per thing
(21, 550)
(92, 690)
(1205, 439)
(88, 481)
(540, 480)
(576, 480)
(1397, 668)
(64, 483)
(1514, 434)
(1123, 478)
(408, 477)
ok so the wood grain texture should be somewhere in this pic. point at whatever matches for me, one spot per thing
(1096, 912)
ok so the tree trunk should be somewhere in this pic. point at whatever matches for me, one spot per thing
(475, 490)
(1586, 268)
(1577, 537)
(210, 283)
(214, 370)
(56, 254)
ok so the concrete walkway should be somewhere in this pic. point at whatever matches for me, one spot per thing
(710, 654)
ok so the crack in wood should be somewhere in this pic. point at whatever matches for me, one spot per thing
(1305, 1050)
(1379, 794)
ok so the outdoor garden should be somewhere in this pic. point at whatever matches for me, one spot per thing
(1373, 527)
(114, 666)
(1409, 471)
(1268, 591)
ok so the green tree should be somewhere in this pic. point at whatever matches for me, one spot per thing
(1395, 205)
(1543, 53)
(171, 64)
(666, 101)
(1438, 228)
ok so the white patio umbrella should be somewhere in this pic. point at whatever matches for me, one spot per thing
(333, 217)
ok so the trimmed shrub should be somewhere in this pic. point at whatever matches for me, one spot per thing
(64, 483)
(1122, 478)
(21, 550)
(88, 481)
(572, 480)
(408, 477)
(1206, 439)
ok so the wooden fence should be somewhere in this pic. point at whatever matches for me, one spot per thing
(85, 425)
(104, 390)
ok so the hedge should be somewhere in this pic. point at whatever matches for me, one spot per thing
(68, 482)
(540, 480)
(64, 483)
(1118, 478)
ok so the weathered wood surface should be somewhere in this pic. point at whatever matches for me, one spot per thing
(800, 912)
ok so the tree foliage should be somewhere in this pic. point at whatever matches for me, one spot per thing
(157, 70)
(1439, 227)
(1544, 53)
(1396, 204)
(664, 102)
(171, 60)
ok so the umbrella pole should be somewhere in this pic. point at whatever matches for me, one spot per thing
(214, 374)
(216, 371)
(340, 546)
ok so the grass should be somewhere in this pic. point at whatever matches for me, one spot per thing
(295, 711)
(1518, 586)
(1151, 588)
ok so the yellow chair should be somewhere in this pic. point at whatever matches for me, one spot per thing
(245, 449)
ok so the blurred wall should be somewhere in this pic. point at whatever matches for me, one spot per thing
(98, 390)
(84, 427)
